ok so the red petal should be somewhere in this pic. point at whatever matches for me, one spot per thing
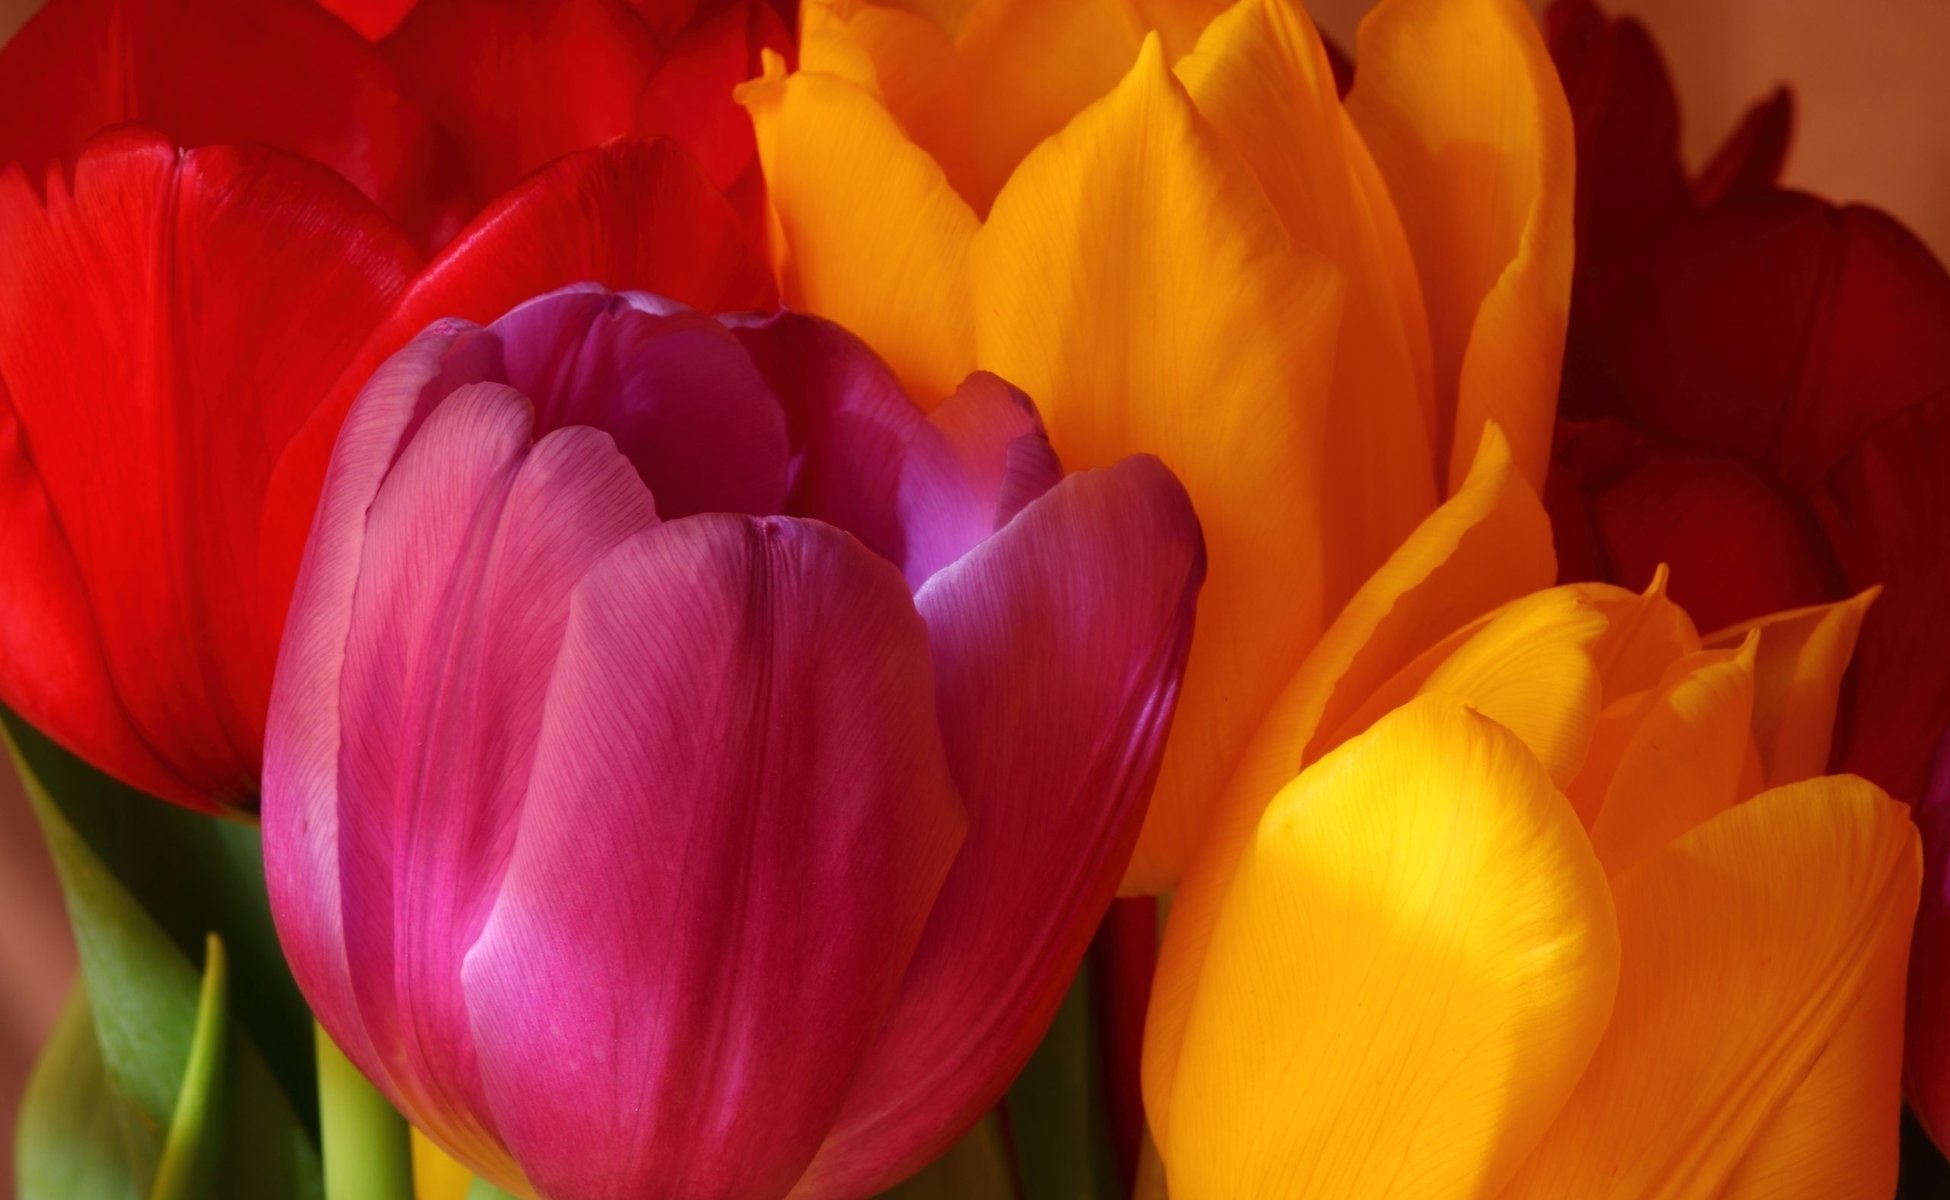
(168, 321)
(1886, 508)
(1750, 161)
(374, 19)
(632, 215)
(1926, 1040)
(518, 83)
(1785, 329)
(689, 98)
(1738, 546)
(280, 72)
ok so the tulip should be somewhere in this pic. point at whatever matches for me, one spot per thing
(432, 109)
(694, 771)
(180, 335)
(1756, 390)
(1160, 220)
(1926, 1066)
(1539, 894)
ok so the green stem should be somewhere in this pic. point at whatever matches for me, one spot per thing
(368, 1152)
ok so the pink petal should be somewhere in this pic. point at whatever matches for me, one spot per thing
(1057, 644)
(739, 816)
(979, 458)
(673, 388)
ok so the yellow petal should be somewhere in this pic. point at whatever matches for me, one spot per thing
(1683, 762)
(874, 236)
(1528, 667)
(1032, 66)
(436, 1175)
(1798, 679)
(1647, 634)
(1134, 282)
(1411, 970)
(1748, 945)
(1488, 542)
(1260, 76)
(1836, 1137)
(1462, 108)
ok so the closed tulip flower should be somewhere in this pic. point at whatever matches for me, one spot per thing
(1540, 895)
(694, 771)
(1159, 218)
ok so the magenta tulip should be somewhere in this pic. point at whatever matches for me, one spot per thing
(693, 770)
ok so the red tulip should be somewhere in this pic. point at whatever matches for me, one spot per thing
(1756, 391)
(449, 103)
(180, 336)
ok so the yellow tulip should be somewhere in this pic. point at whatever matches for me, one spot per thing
(1158, 218)
(1538, 894)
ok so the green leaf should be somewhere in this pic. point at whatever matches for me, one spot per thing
(189, 1161)
(192, 875)
(145, 1000)
(975, 1168)
(1058, 1118)
(68, 1144)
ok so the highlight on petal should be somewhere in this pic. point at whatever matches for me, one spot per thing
(1485, 545)
(1168, 254)
(760, 694)
(1747, 947)
(1261, 78)
(978, 459)
(873, 235)
(1057, 646)
(1412, 968)
(168, 320)
(1461, 106)
(1803, 657)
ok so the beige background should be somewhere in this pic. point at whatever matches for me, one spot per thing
(1874, 125)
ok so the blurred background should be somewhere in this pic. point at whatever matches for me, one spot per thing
(1872, 125)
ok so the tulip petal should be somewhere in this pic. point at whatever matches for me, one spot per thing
(874, 237)
(517, 84)
(1803, 657)
(1529, 667)
(749, 700)
(1682, 763)
(977, 461)
(631, 215)
(1645, 632)
(1460, 104)
(1261, 77)
(689, 98)
(1412, 967)
(1886, 511)
(277, 72)
(1749, 162)
(1487, 544)
(1057, 646)
(675, 389)
(1163, 248)
(473, 545)
(165, 317)
(1747, 945)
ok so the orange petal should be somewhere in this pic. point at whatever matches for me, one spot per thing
(1798, 680)
(1468, 124)
(1261, 77)
(1683, 762)
(1648, 632)
(1488, 542)
(1412, 967)
(874, 237)
(1749, 944)
(1133, 280)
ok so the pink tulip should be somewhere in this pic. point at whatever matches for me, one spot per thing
(694, 771)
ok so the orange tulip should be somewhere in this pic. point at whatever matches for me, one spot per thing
(1537, 894)
(1159, 218)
